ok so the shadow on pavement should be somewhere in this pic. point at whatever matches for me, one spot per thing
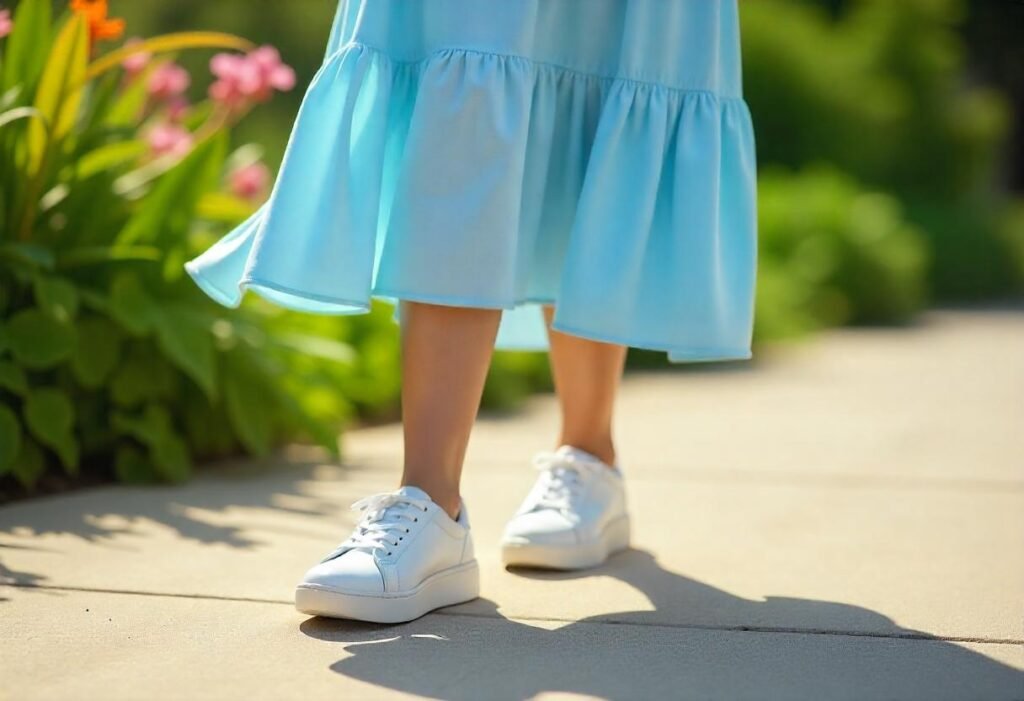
(98, 515)
(473, 652)
(16, 577)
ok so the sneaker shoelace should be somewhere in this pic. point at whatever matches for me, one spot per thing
(385, 521)
(562, 479)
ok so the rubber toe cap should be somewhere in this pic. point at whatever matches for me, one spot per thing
(543, 527)
(355, 571)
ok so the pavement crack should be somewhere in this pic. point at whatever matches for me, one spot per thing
(906, 635)
(793, 630)
(135, 592)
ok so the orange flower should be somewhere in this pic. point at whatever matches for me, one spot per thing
(100, 26)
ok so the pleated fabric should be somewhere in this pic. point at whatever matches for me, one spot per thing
(592, 154)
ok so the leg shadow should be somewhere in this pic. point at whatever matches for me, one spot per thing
(473, 652)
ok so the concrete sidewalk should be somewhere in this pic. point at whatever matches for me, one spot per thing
(843, 519)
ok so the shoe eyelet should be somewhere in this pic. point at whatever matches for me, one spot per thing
(406, 530)
(416, 519)
(389, 552)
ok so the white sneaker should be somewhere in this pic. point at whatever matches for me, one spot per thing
(405, 557)
(574, 516)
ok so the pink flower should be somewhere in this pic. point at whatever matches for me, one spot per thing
(227, 90)
(249, 78)
(168, 81)
(169, 139)
(136, 63)
(6, 24)
(273, 72)
(250, 182)
(177, 108)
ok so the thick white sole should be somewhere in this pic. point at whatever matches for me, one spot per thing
(521, 552)
(445, 588)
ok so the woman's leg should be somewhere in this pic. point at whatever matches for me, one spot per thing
(446, 352)
(586, 375)
(558, 525)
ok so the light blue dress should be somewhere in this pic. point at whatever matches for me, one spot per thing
(593, 154)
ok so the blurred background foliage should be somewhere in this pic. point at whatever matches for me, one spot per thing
(890, 154)
(890, 94)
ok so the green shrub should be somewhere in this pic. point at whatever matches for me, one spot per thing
(880, 91)
(109, 357)
(513, 376)
(831, 253)
(977, 248)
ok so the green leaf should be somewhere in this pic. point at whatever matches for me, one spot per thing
(99, 255)
(140, 378)
(97, 353)
(132, 467)
(50, 417)
(154, 430)
(56, 296)
(108, 157)
(186, 338)
(29, 254)
(60, 90)
(127, 108)
(30, 463)
(13, 115)
(28, 44)
(13, 378)
(100, 96)
(10, 97)
(10, 439)
(318, 347)
(199, 114)
(94, 301)
(249, 404)
(131, 305)
(164, 215)
(323, 431)
(223, 207)
(207, 428)
(38, 340)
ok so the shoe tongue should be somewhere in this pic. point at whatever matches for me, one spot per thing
(410, 491)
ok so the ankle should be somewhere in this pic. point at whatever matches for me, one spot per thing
(451, 508)
(448, 499)
(601, 448)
